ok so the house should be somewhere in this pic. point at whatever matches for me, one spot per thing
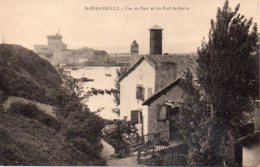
(248, 146)
(163, 108)
(149, 96)
(148, 76)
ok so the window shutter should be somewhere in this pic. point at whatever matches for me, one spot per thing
(134, 116)
(142, 93)
(137, 92)
(140, 117)
(162, 115)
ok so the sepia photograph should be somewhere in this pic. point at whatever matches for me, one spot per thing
(130, 83)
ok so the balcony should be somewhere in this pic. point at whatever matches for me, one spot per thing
(161, 140)
(157, 144)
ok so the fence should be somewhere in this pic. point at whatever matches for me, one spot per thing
(162, 140)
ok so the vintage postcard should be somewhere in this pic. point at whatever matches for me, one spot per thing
(130, 82)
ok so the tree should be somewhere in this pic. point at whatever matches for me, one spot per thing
(120, 72)
(228, 81)
(194, 122)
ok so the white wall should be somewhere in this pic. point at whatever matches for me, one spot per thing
(143, 75)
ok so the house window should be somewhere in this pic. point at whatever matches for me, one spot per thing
(136, 116)
(174, 111)
(163, 113)
(140, 93)
(173, 114)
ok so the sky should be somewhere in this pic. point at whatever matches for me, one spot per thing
(28, 22)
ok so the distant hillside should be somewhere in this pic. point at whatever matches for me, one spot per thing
(42, 120)
(23, 73)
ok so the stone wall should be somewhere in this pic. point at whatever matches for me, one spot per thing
(154, 125)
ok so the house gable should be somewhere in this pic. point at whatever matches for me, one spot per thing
(142, 75)
(170, 94)
(131, 69)
(161, 92)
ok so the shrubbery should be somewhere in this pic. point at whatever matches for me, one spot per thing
(122, 138)
(31, 111)
(29, 136)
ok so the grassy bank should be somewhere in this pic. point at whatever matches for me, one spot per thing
(30, 135)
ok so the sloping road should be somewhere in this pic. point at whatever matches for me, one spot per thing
(108, 150)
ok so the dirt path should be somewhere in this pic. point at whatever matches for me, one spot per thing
(108, 150)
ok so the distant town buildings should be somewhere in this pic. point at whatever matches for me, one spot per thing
(56, 52)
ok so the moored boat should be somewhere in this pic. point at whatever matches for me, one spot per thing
(94, 91)
(74, 68)
(108, 75)
(85, 79)
(108, 91)
(115, 91)
(100, 91)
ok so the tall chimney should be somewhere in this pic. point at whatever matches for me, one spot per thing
(134, 47)
(156, 40)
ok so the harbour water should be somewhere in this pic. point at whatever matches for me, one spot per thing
(102, 80)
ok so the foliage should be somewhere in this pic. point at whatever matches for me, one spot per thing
(29, 136)
(72, 134)
(120, 72)
(195, 122)
(122, 138)
(26, 141)
(31, 111)
(212, 113)
(80, 127)
(21, 73)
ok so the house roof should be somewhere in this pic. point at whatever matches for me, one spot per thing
(131, 69)
(156, 27)
(161, 92)
(250, 138)
(183, 61)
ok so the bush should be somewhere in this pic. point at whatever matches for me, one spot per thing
(4, 136)
(31, 111)
(84, 125)
(122, 138)
(86, 147)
